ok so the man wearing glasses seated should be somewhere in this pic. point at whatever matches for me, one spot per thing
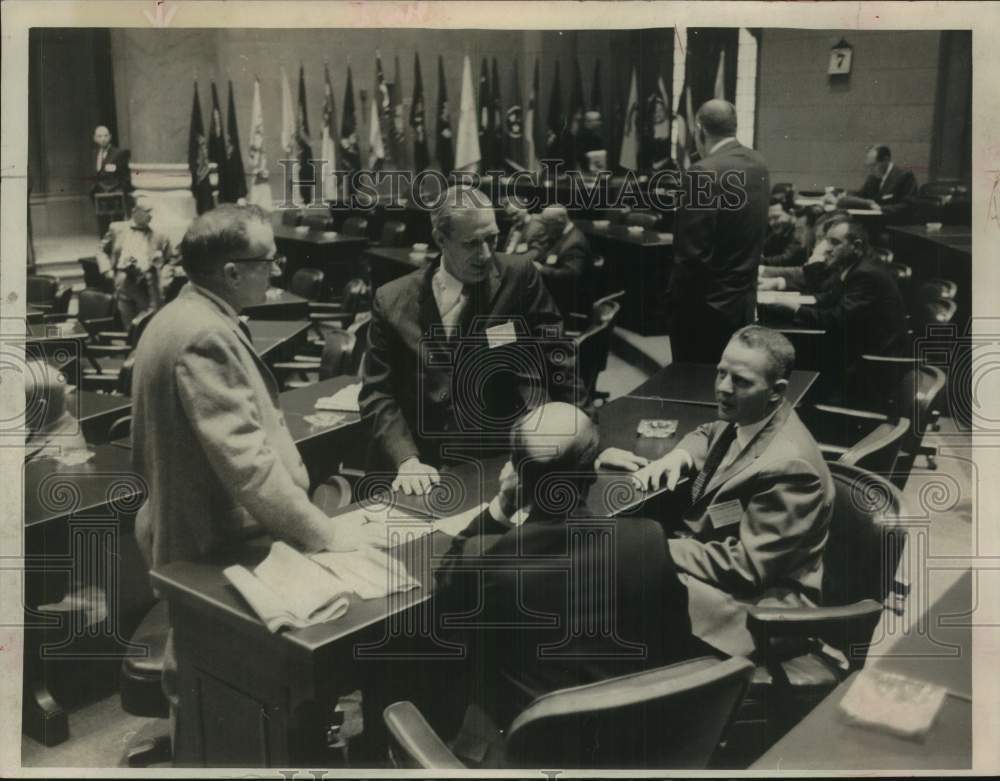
(460, 350)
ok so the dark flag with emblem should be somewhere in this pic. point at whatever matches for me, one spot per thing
(445, 140)
(531, 124)
(596, 102)
(350, 154)
(305, 154)
(235, 179)
(514, 156)
(485, 119)
(421, 157)
(556, 122)
(383, 102)
(217, 145)
(574, 120)
(400, 154)
(497, 120)
(201, 185)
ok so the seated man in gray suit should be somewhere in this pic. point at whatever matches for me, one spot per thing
(561, 254)
(761, 496)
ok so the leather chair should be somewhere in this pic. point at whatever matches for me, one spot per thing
(594, 345)
(40, 291)
(340, 354)
(291, 217)
(140, 685)
(868, 440)
(307, 283)
(393, 234)
(92, 276)
(860, 581)
(647, 220)
(939, 288)
(614, 216)
(670, 717)
(355, 226)
(318, 221)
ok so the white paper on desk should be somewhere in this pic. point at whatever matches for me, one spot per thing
(303, 588)
(784, 297)
(892, 702)
(368, 572)
(269, 607)
(344, 400)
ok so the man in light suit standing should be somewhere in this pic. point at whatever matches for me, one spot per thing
(761, 496)
(718, 238)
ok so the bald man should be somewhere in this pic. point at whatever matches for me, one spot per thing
(112, 175)
(719, 235)
(561, 253)
(52, 430)
(618, 577)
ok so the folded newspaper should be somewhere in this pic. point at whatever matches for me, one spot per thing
(292, 590)
(894, 703)
(344, 400)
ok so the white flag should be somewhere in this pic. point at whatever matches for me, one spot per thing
(467, 154)
(628, 157)
(530, 154)
(288, 144)
(376, 148)
(260, 190)
(328, 150)
(720, 77)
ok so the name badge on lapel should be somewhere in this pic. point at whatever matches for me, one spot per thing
(110, 167)
(725, 514)
(499, 335)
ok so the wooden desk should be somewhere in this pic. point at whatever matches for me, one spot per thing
(639, 264)
(276, 340)
(823, 740)
(324, 448)
(946, 253)
(33, 316)
(694, 383)
(280, 305)
(385, 264)
(336, 255)
(96, 412)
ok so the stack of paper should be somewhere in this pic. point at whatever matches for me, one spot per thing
(344, 400)
(895, 703)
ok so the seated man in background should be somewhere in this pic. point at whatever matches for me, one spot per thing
(859, 306)
(561, 253)
(620, 580)
(459, 350)
(52, 429)
(761, 496)
(137, 253)
(809, 274)
(783, 245)
(887, 188)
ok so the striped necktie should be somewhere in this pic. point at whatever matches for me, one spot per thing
(715, 455)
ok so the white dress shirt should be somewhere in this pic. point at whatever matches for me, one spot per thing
(449, 295)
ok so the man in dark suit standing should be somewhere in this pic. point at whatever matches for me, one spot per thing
(561, 253)
(718, 238)
(459, 350)
(112, 178)
(888, 188)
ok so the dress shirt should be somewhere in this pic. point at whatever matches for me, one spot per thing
(885, 176)
(100, 158)
(135, 244)
(450, 296)
(744, 436)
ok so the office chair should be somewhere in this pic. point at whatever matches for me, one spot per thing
(41, 290)
(341, 353)
(111, 357)
(393, 234)
(614, 216)
(120, 429)
(939, 288)
(307, 283)
(904, 275)
(355, 226)
(866, 541)
(647, 220)
(928, 311)
(321, 221)
(356, 298)
(670, 717)
(868, 440)
(92, 276)
(291, 217)
(594, 346)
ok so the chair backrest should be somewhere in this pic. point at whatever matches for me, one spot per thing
(594, 345)
(393, 234)
(92, 276)
(120, 429)
(94, 305)
(320, 221)
(291, 217)
(943, 187)
(646, 220)
(308, 283)
(41, 289)
(877, 452)
(929, 311)
(357, 296)
(355, 226)
(903, 274)
(670, 717)
(936, 287)
(883, 253)
(60, 305)
(865, 541)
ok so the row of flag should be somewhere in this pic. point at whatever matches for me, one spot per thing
(488, 138)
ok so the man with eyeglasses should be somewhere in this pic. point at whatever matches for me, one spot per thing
(460, 350)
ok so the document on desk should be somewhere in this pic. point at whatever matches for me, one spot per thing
(369, 573)
(784, 297)
(892, 702)
(410, 528)
(344, 400)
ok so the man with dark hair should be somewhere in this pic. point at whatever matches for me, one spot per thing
(858, 305)
(887, 188)
(718, 237)
(112, 181)
(782, 246)
(460, 350)
(761, 496)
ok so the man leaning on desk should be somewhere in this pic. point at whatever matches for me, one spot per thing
(461, 349)
(887, 188)
(561, 254)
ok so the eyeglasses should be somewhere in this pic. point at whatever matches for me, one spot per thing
(278, 260)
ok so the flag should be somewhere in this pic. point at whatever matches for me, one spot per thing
(382, 103)
(720, 77)
(329, 138)
(530, 152)
(514, 146)
(201, 185)
(421, 157)
(287, 118)
(236, 178)
(497, 120)
(304, 147)
(350, 155)
(692, 145)
(445, 145)
(628, 156)
(557, 124)
(467, 155)
(596, 103)
(574, 121)
(260, 190)
(485, 117)
(398, 126)
(657, 128)
(217, 145)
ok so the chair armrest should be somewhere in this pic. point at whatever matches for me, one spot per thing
(880, 437)
(57, 318)
(578, 321)
(113, 335)
(849, 412)
(295, 366)
(891, 359)
(107, 349)
(779, 621)
(420, 744)
(95, 324)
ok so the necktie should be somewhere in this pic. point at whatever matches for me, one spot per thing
(715, 455)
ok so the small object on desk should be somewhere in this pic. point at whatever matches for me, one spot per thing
(418, 257)
(344, 400)
(903, 706)
(302, 229)
(420, 247)
(636, 230)
(329, 234)
(323, 419)
(665, 236)
(656, 428)
(601, 224)
(74, 457)
(274, 293)
(934, 227)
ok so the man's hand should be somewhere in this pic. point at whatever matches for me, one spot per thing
(672, 466)
(874, 206)
(616, 458)
(415, 477)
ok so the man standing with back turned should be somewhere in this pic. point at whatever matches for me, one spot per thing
(718, 238)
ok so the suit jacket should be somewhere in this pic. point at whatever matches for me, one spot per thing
(533, 595)
(115, 174)
(568, 277)
(782, 248)
(895, 195)
(717, 248)
(157, 244)
(422, 392)
(210, 440)
(758, 530)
